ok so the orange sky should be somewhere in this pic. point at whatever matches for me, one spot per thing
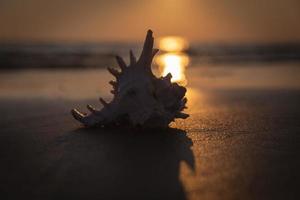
(121, 20)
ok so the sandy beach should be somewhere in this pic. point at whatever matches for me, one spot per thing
(241, 141)
(237, 66)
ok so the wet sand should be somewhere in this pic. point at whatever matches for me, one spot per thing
(239, 143)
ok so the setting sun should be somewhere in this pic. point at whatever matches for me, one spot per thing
(172, 44)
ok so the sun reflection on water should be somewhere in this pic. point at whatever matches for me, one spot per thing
(173, 60)
(174, 63)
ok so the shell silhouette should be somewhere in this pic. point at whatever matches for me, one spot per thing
(140, 98)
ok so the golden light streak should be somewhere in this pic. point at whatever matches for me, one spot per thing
(173, 60)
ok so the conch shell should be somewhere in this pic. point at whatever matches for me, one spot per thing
(140, 98)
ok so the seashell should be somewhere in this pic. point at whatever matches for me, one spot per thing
(139, 97)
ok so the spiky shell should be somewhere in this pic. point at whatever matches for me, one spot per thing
(140, 98)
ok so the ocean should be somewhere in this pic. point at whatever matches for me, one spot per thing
(99, 55)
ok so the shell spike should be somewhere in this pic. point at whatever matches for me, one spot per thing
(183, 104)
(114, 84)
(103, 102)
(121, 63)
(181, 115)
(91, 108)
(77, 115)
(132, 58)
(168, 77)
(146, 55)
(113, 92)
(114, 72)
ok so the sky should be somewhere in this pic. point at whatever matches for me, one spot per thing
(264, 21)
